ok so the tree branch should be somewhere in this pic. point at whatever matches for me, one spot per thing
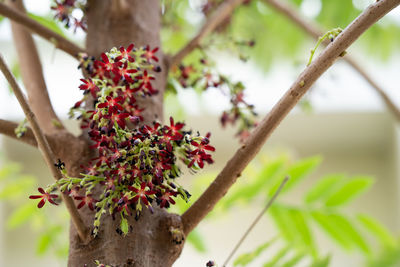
(46, 150)
(37, 28)
(232, 170)
(316, 31)
(217, 17)
(32, 74)
(264, 210)
(8, 127)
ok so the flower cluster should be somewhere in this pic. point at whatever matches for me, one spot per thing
(241, 112)
(65, 11)
(136, 164)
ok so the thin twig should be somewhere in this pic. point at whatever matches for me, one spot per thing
(218, 16)
(232, 170)
(314, 30)
(45, 149)
(8, 128)
(255, 221)
(32, 74)
(37, 28)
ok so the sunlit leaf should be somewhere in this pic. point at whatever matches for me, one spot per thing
(298, 172)
(196, 240)
(380, 231)
(324, 262)
(278, 257)
(294, 260)
(21, 215)
(349, 190)
(341, 230)
(323, 188)
(305, 238)
(246, 258)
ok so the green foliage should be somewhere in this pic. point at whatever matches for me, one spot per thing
(14, 189)
(196, 240)
(246, 258)
(348, 191)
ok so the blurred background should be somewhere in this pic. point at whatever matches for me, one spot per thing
(340, 145)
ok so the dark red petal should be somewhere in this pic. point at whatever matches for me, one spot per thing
(35, 197)
(81, 205)
(41, 190)
(41, 203)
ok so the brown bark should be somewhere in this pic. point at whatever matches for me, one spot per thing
(32, 74)
(112, 23)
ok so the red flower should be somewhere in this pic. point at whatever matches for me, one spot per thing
(107, 65)
(44, 196)
(165, 199)
(141, 193)
(89, 86)
(125, 53)
(88, 199)
(175, 128)
(112, 104)
(202, 147)
(149, 54)
(123, 72)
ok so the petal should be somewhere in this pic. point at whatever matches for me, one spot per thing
(41, 203)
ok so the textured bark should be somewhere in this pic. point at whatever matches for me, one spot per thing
(112, 23)
(32, 74)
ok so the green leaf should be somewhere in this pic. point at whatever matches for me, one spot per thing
(246, 258)
(323, 188)
(297, 172)
(324, 262)
(340, 229)
(124, 225)
(269, 173)
(281, 253)
(17, 187)
(376, 228)
(9, 170)
(294, 260)
(48, 22)
(47, 239)
(21, 215)
(196, 240)
(348, 191)
(304, 235)
(283, 221)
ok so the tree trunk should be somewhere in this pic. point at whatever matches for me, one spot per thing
(112, 23)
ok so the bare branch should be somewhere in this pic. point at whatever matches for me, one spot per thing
(46, 150)
(264, 210)
(32, 74)
(316, 31)
(8, 127)
(37, 28)
(218, 16)
(232, 170)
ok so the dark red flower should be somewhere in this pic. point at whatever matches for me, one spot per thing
(44, 197)
(112, 104)
(164, 199)
(141, 193)
(88, 199)
(126, 53)
(149, 54)
(89, 86)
